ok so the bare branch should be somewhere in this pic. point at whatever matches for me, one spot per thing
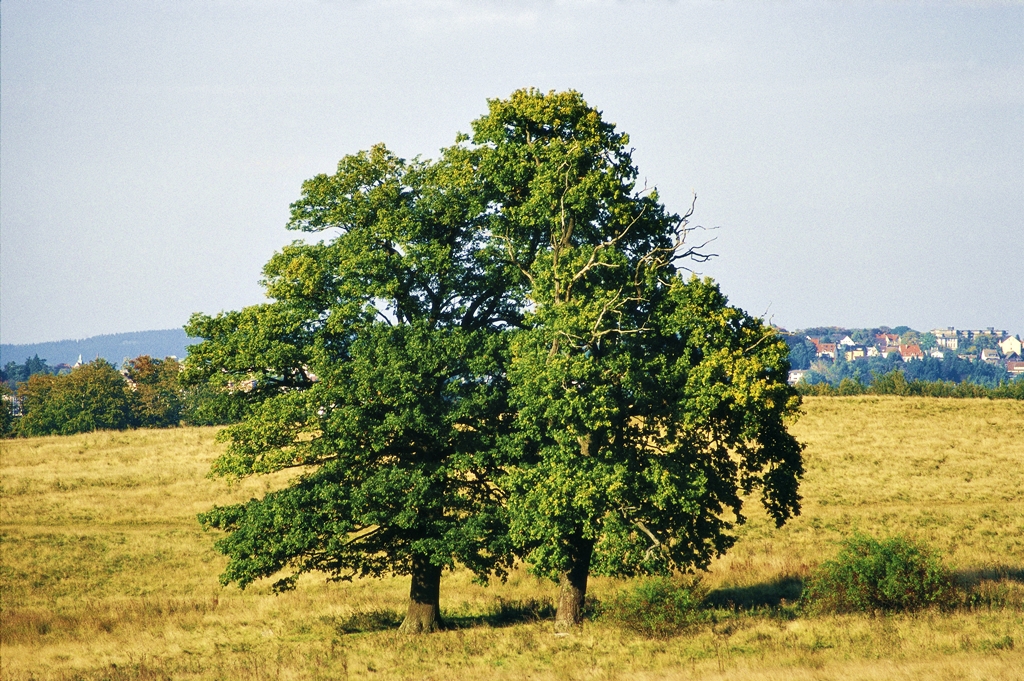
(656, 543)
(760, 340)
(513, 258)
(604, 309)
(598, 248)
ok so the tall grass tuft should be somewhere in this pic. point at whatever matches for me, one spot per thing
(890, 575)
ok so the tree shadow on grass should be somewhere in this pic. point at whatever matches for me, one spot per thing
(364, 622)
(775, 595)
(504, 614)
(1000, 573)
(991, 587)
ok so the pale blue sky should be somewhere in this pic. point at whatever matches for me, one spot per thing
(864, 161)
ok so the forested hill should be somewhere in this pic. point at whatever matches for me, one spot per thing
(112, 347)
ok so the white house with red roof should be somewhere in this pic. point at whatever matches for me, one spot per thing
(909, 352)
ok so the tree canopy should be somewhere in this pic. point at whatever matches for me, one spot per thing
(492, 355)
(93, 396)
(6, 410)
(157, 400)
(645, 404)
(14, 374)
(96, 396)
(378, 372)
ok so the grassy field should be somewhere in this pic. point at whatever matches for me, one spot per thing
(106, 574)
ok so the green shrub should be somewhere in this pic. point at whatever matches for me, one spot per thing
(894, 574)
(892, 383)
(822, 389)
(850, 386)
(659, 607)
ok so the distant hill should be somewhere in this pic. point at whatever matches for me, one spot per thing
(112, 347)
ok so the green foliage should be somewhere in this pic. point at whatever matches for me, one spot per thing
(207, 405)
(822, 389)
(659, 607)
(6, 410)
(1011, 390)
(494, 353)
(894, 574)
(801, 352)
(646, 404)
(849, 386)
(378, 372)
(14, 374)
(93, 396)
(981, 342)
(910, 337)
(158, 395)
(892, 383)
(863, 336)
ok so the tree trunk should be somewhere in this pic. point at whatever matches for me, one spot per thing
(572, 586)
(424, 613)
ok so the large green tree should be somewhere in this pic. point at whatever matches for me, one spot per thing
(494, 354)
(376, 372)
(646, 405)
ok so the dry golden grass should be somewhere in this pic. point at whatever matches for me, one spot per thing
(106, 575)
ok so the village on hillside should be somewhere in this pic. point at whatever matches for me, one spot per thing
(990, 345)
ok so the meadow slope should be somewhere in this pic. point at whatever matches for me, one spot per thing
(106, 575)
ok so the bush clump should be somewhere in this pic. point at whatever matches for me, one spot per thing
(890, 575)
(659, 607)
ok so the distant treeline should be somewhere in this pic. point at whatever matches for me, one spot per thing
(145, 393)
(39, 399)
(895, 383)
(14, 374)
